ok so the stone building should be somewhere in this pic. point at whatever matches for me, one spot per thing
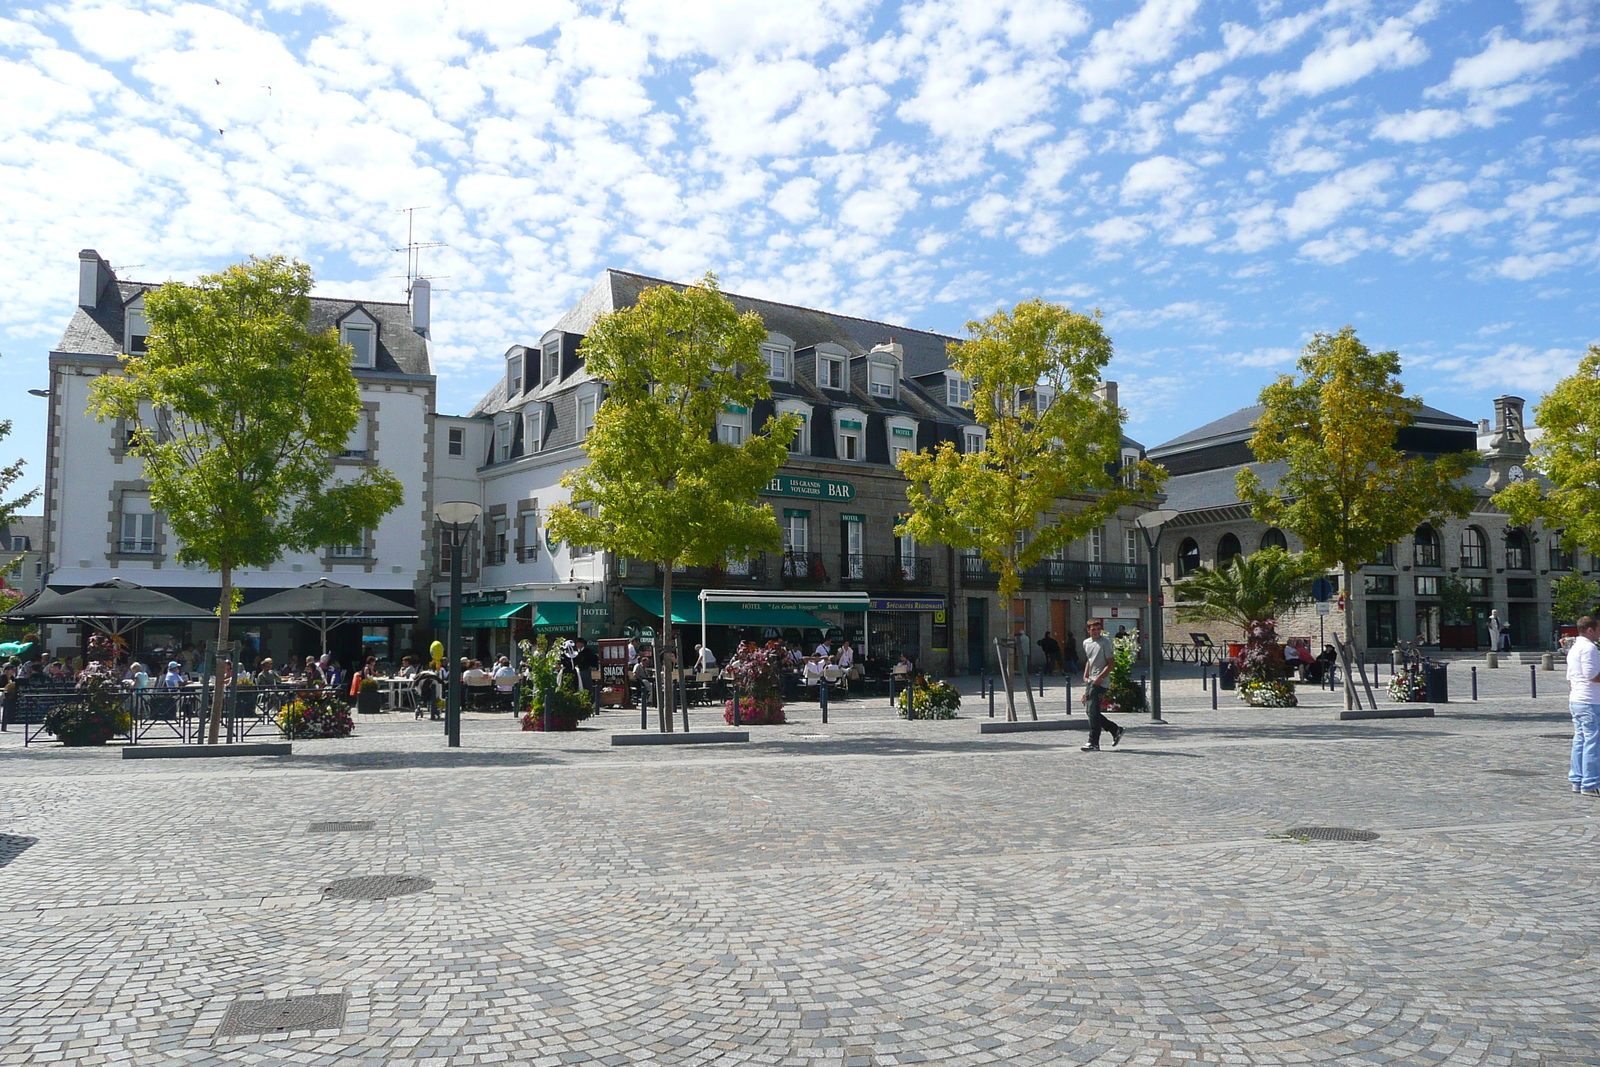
(1505, 567)
(866, 391)
(22, 546)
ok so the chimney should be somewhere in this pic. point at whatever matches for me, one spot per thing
(1107, 393)
(94, 274)
(421, 298)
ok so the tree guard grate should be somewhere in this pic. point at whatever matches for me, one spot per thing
(338, 827)
(321, 1011)
(377, 886)
(1332, 833)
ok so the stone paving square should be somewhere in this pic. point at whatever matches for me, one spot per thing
(865, 892)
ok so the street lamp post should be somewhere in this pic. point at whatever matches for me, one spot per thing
(458, 516)
(1150, 524)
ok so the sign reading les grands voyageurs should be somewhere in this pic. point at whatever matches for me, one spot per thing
(810, 488)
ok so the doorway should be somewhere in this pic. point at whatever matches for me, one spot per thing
(977, 636)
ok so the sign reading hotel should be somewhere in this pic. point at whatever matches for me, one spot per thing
(809, 488)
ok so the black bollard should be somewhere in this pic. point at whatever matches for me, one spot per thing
(1069, 694)
(1213, 692)
(990, 682)
(1144, 689)
(736, 716)
(1533, 680)
(822, 698)
(1041, 681)
(644, 707)
(1474, 683)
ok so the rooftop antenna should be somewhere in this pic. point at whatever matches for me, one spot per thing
(413, 249)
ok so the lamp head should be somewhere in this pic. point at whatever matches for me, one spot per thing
(1154, 520)
(458, 512)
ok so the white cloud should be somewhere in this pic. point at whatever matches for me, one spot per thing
(1415, 127)
(1519, 368)
(1157, 176)
(1343, 57)
(1142, 38)
(1116, 231)
(1215, 116)
(1525, 267)
(1507, 59)
(1322, 204)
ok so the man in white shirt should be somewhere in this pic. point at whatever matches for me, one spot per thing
(704, 658)
(1098, 655)
(823, 650)
(847, 656)
(814, 675)
(505, 676)
(1583, 700)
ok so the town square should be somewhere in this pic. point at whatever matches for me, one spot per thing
(852, 533)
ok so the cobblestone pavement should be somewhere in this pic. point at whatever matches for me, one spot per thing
(869, 891)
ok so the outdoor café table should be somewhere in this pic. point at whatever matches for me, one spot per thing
(396, 692)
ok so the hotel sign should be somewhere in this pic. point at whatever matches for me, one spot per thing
(809, 488)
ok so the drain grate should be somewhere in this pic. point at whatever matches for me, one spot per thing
(337, 827)
(377, 886)
(321, 1011)
(1515, 772)
(1332, 833)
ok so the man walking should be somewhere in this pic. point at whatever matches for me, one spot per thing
(1052, 653)
(1583, 700)
(1098, 652)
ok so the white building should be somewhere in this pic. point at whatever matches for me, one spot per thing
(99, 523)
(22, 543)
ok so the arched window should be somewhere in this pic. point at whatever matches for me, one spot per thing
(1188, 557)
(1425, 546)
(1274, 538)
(1474, 548)
(1518, 555)
(1227, 550)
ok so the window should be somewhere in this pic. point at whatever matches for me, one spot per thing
(1478, 586)
(21, 543)
(1427, 585)
(138, 343)
(730, 431)
(1188, 557)
(852, 435)
(514, 374)
(776, 358)
(533, 429)
(552, 361)
(528, 538)
(1380, 584)
(1130, 469)
(138, 535)
(1097, 544)
(1425, 546)
(1274, 538)
(907, 546)
(882, 376)
(441, 545)
(587, 406)
(499, 546)
(1043, 397)
(502, 440)
(1228, 550)
(584, 551)
(1385, 558)
(358, 551)
(902, 439)
(796, 530)
(1381, 616)
(1130, 545)
(359, 337)
(1518, 555)
(972, 440)
(854, 540)
(355, 446)
(1560, 558)
(1474, 548)
(957, 390)
(800, 445)
(830, 370)
(458, 440)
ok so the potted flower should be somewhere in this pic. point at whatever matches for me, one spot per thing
(369, 698)
(315, 714)
(754, 671)
(929, 700)
(1263, 670)
(101, 713)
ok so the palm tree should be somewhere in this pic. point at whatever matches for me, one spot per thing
(1249, 589)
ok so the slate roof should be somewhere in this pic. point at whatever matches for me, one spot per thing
(1215, 488)
(98, 331)
(1240, 426)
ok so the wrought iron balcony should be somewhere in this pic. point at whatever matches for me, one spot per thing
(1060, 574)
(732, 573)
(802, 568)
(886, 571)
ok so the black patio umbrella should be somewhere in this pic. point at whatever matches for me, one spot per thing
(322, 605)
(112, 607)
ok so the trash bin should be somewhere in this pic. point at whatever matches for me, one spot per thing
(1438, 684)
(1227, 673)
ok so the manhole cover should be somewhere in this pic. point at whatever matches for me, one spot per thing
(1515, 772)
(323, 1011)
(1332, 833)
(340, 827)
(377, 886)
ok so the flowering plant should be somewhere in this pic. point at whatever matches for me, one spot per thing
(755, 711)
(1122, 692)
(1263, 658)
(1408, 686)
(929, 700)
(1263, 694)
(568, 707)
(754, 670)
(311, 714)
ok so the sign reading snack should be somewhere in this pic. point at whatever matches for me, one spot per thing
(810, 488)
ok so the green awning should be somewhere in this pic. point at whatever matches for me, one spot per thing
(480, 616)
(686, 611)
(559, 617)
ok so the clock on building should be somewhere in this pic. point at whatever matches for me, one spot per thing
(1516, 473)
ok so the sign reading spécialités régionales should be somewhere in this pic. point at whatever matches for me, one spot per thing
(809, 488)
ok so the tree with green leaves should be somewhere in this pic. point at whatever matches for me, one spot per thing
(1573, 596)
(1567, 453)
(238, 408)
(659, 485)
(1347, 489)
(9, 475)
(1049, 469)
(1250, 589)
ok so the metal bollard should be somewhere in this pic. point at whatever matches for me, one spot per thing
(990, 681)
(644, 706)
(1041, 681)
(1213, 692)
(1474, 683)
(1533, 679)
(822, 698)
(544, 710)
(737, 718)
(1144, 688)
(1069, 694)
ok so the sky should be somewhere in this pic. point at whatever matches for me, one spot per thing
(1221, 180)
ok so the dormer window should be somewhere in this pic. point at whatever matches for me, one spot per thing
(831, 369)
(533, 429)
(883, 377)
(801, 445)
(362, 338)
(552, 361)
(1043, 397)
(502, 440)
(776, 358)
(514, 373)
(732, 425)
(852, 434)
(902, 438)
(1130, 471)
(973, 439)
(588, 405)
(957, 390)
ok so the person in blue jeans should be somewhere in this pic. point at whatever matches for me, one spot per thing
(1583, 700)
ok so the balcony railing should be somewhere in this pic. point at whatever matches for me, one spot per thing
(886, 571)
(1060, 574)
(802, 568)
(136, 546)
(736, 572)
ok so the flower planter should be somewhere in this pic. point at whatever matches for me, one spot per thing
(369, 702)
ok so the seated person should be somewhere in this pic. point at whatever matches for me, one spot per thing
(813, 670)
(505, 676)
(476, 677)
(704, 659)
(266, 675)
(847, 657)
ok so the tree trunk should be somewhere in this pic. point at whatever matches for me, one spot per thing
(1349, 638)
(224, 610)
(664, 651)
(1000, 650)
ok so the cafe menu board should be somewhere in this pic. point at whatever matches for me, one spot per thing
(614, 670)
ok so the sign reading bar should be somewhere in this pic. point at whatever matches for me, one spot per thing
(810, 488)
(908, 603)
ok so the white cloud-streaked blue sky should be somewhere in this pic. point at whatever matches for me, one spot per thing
(1221, 178)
